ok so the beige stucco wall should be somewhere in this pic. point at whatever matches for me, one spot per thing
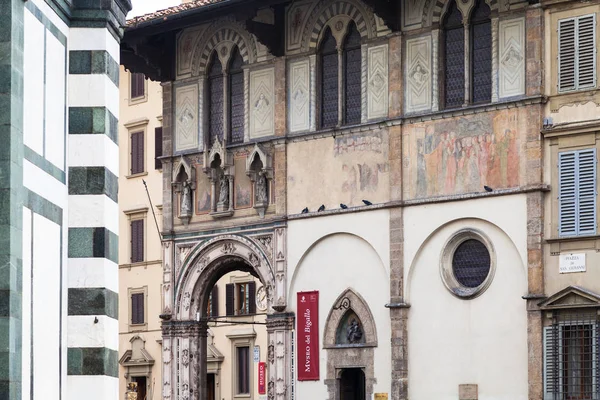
(143, 115)
(469, 341)
(355, 247)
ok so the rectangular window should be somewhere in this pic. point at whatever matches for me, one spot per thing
(240, 298)
(138, 85)
(137, 153)
(158, 147)
(577, 53)
(137, 309)
(212, 308)
(571, 359)
(577, 192)
(137, 241)
(243, 370)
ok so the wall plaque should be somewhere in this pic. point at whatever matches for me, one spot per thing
(308, 335)
(570, 263)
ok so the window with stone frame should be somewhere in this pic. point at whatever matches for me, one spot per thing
(137, 164)
(137, 86)
(476, 52)
(344, 63)
(242, 376)
(240, 298)
(577, 53)
(212, 306)
(225, 97)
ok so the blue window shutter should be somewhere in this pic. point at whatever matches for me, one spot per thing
(549, 357)
(586, 51)
(586, 192)
(567, 193)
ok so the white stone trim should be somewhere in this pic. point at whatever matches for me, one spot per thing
(40, 182)
(94, 39)
(104, 387)
(96, 90)
(83, 332)
(91, 211)
(92, 273)
(93, 151)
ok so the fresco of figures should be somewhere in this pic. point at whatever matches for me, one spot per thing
(463, 155)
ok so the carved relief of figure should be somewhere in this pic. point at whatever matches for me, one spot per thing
(354, 333)
(261, 188)
(224, 190)
(186, 200)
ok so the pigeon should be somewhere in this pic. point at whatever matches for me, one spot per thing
(322, 208)
(305, 211)
(343, 206)
(488, 189)
(367, 203)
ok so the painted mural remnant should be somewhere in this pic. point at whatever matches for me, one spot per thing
(461, 156)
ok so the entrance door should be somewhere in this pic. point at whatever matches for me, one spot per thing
(210, 392)
(352, 384)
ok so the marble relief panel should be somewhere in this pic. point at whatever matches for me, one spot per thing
(377, 81)
(186, 117)
(511, 49)
(418, 74)
(299, 96)
(262, 83)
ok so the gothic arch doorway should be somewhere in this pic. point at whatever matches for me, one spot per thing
(352, 384)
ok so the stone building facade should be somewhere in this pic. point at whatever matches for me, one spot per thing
(395, 157)
(59, 70)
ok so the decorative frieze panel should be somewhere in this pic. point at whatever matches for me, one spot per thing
(377, 82)
(261, 107)
(511, 56)
(185, 48)
(418, 74)
(186, 118)
(297, 15)
(299, 96)
(412, 13)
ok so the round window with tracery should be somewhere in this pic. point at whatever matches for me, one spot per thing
(471, 263)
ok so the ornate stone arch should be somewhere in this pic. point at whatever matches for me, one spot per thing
(363, 17)
(202, 265)
(440, 6)
(223, 32)
(350, 301)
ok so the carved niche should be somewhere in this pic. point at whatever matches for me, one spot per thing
(220, 169)
(260, 170)
(418, 74)
(184, 185)
(511, 50)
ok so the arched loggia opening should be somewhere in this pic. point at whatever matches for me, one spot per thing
(239, 269)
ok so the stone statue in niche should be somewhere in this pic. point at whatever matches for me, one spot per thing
(354, 332)
(261, 188)
(186, 200)
(224, 190)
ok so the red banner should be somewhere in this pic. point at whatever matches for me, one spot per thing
(262, 377)
(308, 335)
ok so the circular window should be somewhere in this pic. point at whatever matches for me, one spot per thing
(471, 263)
(467, 264)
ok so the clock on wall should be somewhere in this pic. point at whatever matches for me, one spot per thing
(261, 298)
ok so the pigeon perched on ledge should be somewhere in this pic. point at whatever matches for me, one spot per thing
(322, 208)
(367, 203)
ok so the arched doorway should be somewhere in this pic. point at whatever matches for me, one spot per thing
(185, 350)
(352, 384)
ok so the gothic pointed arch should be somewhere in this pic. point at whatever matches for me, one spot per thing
(439, 9)
(349, 306)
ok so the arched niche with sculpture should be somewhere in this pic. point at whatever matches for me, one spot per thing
(185, 185)
(220, 170)
(259, 167)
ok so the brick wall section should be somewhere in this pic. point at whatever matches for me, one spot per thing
(534, 53)
(395, 76)
(280, 97)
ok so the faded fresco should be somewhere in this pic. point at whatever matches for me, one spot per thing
(464, 155)
(203, 187)
(345, 169)
(243, 185)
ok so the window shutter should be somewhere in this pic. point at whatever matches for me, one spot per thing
(566, 54)
(551, 371)
(157, 147)
(214, 312)
(329, 81)
(587, 192)
(140, 154)
(137, 153)
(230, 299)
(252, 297)
(567, 194)
(137, 85)
(137, 308)
(586, 48)
(133, 154)
(137, 241)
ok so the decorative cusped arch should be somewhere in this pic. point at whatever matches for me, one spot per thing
(223, 32)
(202, 265)
(348, 301)
(363, 17)
(439, 9)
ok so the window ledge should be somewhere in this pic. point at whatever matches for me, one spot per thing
(571, 244)
(572, 238)
(138, 327)
(138, 100)
(136, 175)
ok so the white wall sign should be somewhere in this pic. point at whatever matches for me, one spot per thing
(256, 354)
(572, 263)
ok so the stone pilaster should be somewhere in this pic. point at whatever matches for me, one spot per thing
(534, 43)
(279, 356)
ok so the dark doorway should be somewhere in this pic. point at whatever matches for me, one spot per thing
(141, 387)
(210, 391)
(352, 384)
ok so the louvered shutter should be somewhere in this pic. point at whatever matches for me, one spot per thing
(566, 54)
(230, 299)
(586, 48)
(252, 297)
(137, 308)
(214, 312)
(551, 370)
(137, 241)
(133, 153)
(577, 192)
(157, 148)
(137, 153)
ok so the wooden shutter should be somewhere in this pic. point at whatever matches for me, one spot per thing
(252, 297)
(236, 98)
(137, 308)
(352, 76)
(137, 85)
(137, 153)
(329, 81)
(230, 299)
(214, 312)
(577, 192)
(137, 241)
(454, 58)
(551, 370)
(586, 48)
(157, 147)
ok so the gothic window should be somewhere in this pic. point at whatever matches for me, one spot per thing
(215, 99)
(481, 53)
(454, 54)
(329, 81)
(236, 93)
(352, 76)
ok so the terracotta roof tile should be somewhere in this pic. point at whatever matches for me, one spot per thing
(170, 11)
